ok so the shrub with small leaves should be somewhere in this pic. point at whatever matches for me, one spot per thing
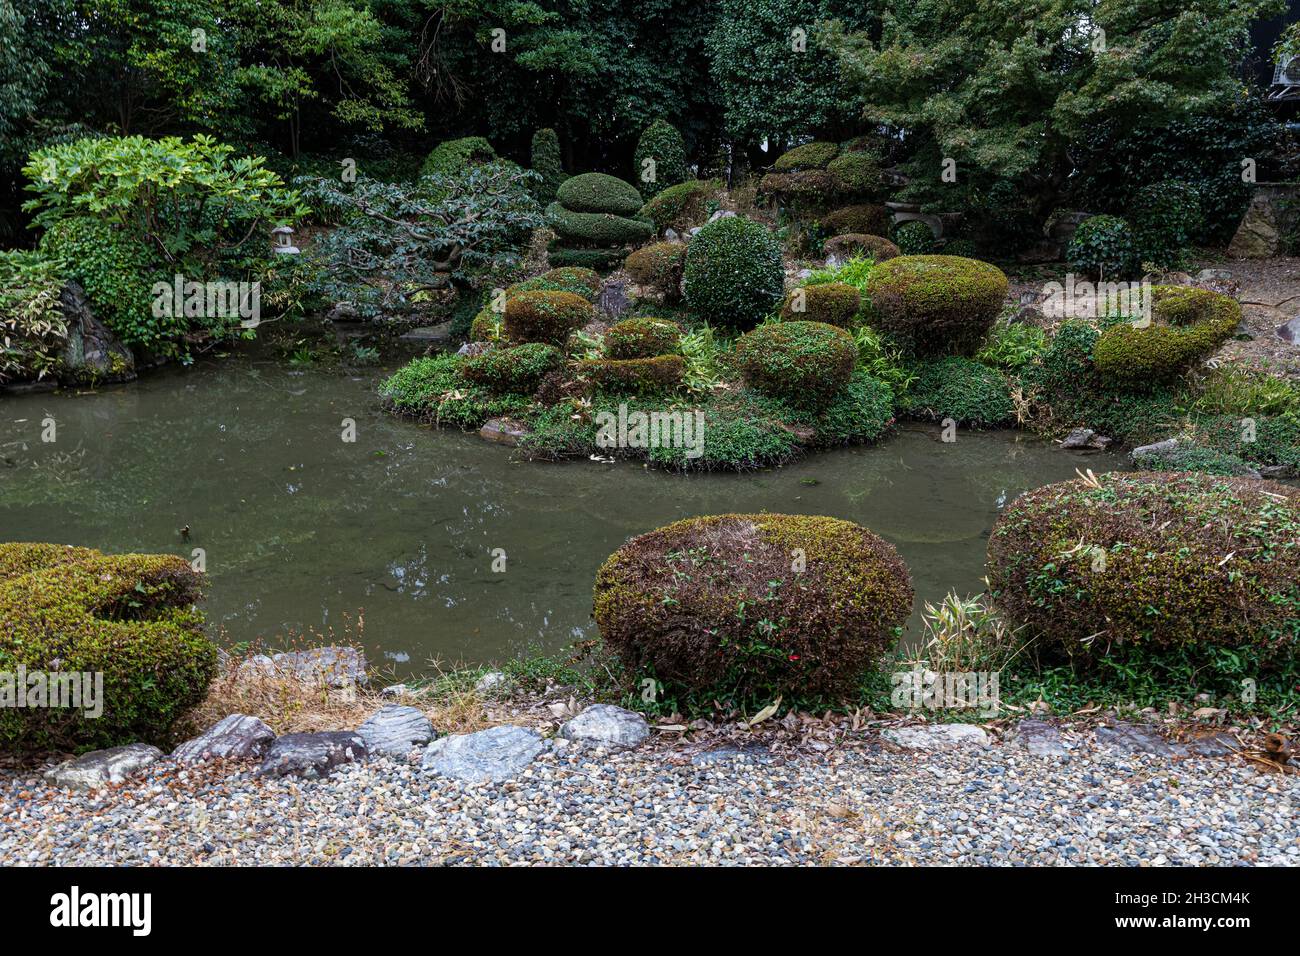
(734, 273)
(660, 159)
(584, 282)
(660, 373)
(681, 207)
(547, 317)
(866, 218)
(970, 393)
(1104, 246)
(814, 155)
(834, 303)
(659, 266)
(936, 304)
(546, 164)
(519, 368)
(642, 338)
(850, 244)
(914, 238)
(804, 363)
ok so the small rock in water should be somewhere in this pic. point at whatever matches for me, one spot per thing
(503, 431)
(936, 736)
(100, 767)
(607, 726)
(312, 755)
(489, 756)
(396, 730)
(1084, 438)
(234, 737)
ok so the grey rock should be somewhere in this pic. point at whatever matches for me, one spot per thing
(607, 726)
(334, 666)
(236, 737)
(491, 755)
(1211, 745)
(395, 691)
(936, 736)
(1041, 739)
(503, 431)
(721, 214)
(396, 730)
(91, 353)
(1132, 738)
(1158, 449)
(474, 349)
(434, 336)
(1290, 331)
(692, 232)
(1085, 438)
(1277, 471)
(312, 755)
(1027, 314)
(493, 684)
(670, 234)
(101, 767)
(613, 299)
(726, 754)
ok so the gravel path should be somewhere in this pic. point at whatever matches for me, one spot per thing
(862, 801)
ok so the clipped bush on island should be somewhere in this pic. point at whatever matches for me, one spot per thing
(642, 338)
(734, 274)
(584, 282)
(873, 220)
(814, 155)
(746, 608)
(834, 303)
(1160, 561)
(659, 267)
(518, 368)
(652, 375)
(936, 304)
(804, 363)
(548, 317)
(850, 244)
(595, 219)
(130, 617)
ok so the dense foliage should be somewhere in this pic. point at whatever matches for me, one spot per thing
(734, 276)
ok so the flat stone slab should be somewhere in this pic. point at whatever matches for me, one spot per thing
(936, 736)
(1041, 739)
(396, 730)
(489, 756)
(312, 755)
(605, 725)
(1132, 738)
(503, 431)
(236, 737)
(439, 334)
(101, 767)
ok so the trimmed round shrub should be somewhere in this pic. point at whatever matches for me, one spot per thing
(454, 155)
(659, 266)
(584, 282)
(806, 191)
(130, 617)
(1187, 326)
(662, 150)
(599, 192)
(744, 608)
(682, 206)
(849, 244)
(968, 392)
(642, 338)
(866, 218)
(547, 317)
(1104, 246)
(486, 327)
(857, 174)
(803, 363)
(814, 155)
(914, 238)
(833, 303)
(546, 163)
(1158, 560)
(597, 228)
(518, 369)
(639, 375)
(936, 304)
(734, 275)
(600, 260)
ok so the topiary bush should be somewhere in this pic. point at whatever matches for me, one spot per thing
(743, 609)
(660, 159)
(804, 363)
(734, 274)
(454, 155)
(519, 369)
(867, 218)
(1166, 217)
(129, 617)
(833, 303)
(682, 206)
(858, 175)
(599, 192)
(936, 304)
(659, 266)
(849, 244)
(1165, 561)
(806, 192)
(914, 238)
(547, 317)
(599, 260)
(584, 282)
(642, 338)
(656, 374)
(814, 155)
(592, 218)
(546, 164)
(1104, 246)
(970, 393)
(1188, 325)
(601, 229)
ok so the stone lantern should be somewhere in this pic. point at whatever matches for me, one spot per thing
(282, 236)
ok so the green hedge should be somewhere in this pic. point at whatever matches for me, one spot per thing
(599, 192)
(804, 363)
(936, 304)
(734, 273)
(517, 369)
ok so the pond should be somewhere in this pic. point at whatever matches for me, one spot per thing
(300, 527)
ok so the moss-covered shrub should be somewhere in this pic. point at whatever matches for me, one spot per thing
(860, 243)
(681, 207)
(806, 192)
(1159, 560)
(1187, 325)
(834, 303)
(971, 394)
(804, 363)
(914, 238)
(130, 617)
(660, 159)
(734, 274)
(486, 327)
(599, 192)
(594, 259)
(546, 163)
(547, 317)
(746, 608)
(937, 304)
(865, 218)
(641, 338)
(454, 155)
(659, 373)
(1166, 216)
(519, 368)
(596, 228)
(858, 175)
(659, 266)
(1104, 246)
(584, 282)
(434, 389)
(814, 155)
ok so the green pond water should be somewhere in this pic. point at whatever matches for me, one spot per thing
(301, 528)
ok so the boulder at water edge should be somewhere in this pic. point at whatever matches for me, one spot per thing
(396, 730)
(489, 756)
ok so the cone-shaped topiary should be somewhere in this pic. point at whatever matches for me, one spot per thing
(804, 363)
(936, 304)
(660, 159)
(744, 608)
(734, 275)
(1157, 560)
(546, 163)
(547, 317)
